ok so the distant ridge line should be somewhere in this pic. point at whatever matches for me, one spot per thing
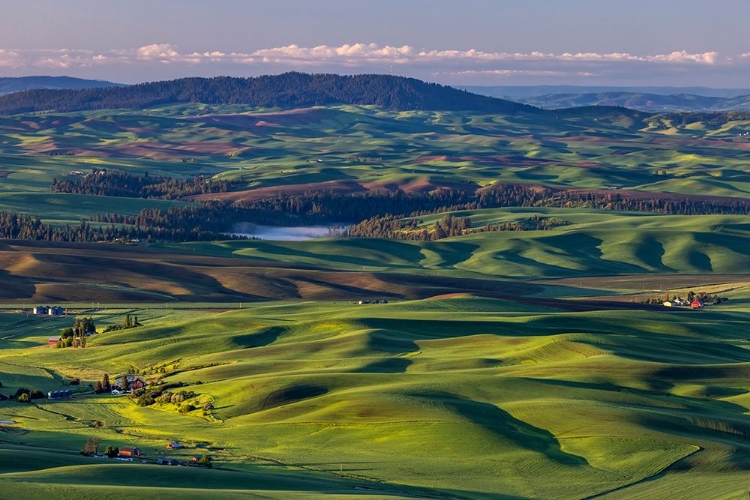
(287, 90)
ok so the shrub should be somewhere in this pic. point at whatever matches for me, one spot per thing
(186, 408)
(36, 394)
(24, 398)
(165, 397)
(111, 451)
(21, 391)
(145, 400)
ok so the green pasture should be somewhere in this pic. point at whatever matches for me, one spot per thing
(594, 243)
(457, 397)
(563, 389)
(363, 144)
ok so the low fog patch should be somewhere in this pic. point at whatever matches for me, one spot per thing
(279, 233)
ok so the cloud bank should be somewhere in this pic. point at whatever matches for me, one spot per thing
(452, 66)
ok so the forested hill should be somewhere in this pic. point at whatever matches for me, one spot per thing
(288, 90)
(21, 83)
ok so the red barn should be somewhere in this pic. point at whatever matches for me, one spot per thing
(130, 451)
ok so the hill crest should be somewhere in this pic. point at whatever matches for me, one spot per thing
(19, 84)
(287, 90)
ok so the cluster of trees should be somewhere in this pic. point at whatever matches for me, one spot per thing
(153, 395)
(76, 336)
(288, 90)
(535, 223)
(91, 448)
(705, 297)
(119, 183)
(103, 385)
(23, 395)
(396, 227)
(128, 322)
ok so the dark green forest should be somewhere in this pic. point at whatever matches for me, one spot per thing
(288, 90)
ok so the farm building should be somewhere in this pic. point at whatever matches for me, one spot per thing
(49, 311)
(133, 382)
(130, 452)
(166, 461)
(68, 394)
(174, 445)
(52, 342)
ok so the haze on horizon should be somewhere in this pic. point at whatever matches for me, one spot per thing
(474, 42)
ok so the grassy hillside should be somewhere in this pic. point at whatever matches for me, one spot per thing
(493, 264)
(355, 149)
(458, 397)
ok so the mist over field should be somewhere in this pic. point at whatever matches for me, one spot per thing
(276, 233)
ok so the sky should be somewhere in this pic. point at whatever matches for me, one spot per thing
(453, 42)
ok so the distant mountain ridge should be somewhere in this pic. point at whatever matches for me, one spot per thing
(19, 84)
(642, 101)
(513, 92)
(287, 90)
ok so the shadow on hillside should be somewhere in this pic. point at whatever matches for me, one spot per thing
(200, 286)
(260, 339)
(422, 286)
(15, 287)
(613, 334)
(504, 425)
(651, 252)
(452, 252)
(700, 261)
(338, 287)
(291, 394)
(390, 365)
(351, 252)
(385, 340)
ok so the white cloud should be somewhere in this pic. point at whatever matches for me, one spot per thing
(157, 51)
(8, 58)
(347, 54)
(165, 60)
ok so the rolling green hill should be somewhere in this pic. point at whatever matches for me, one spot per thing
(458, 397)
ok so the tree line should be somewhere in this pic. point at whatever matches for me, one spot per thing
(103, 182)
(396, 227)
(368, 215)
(288, 90)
